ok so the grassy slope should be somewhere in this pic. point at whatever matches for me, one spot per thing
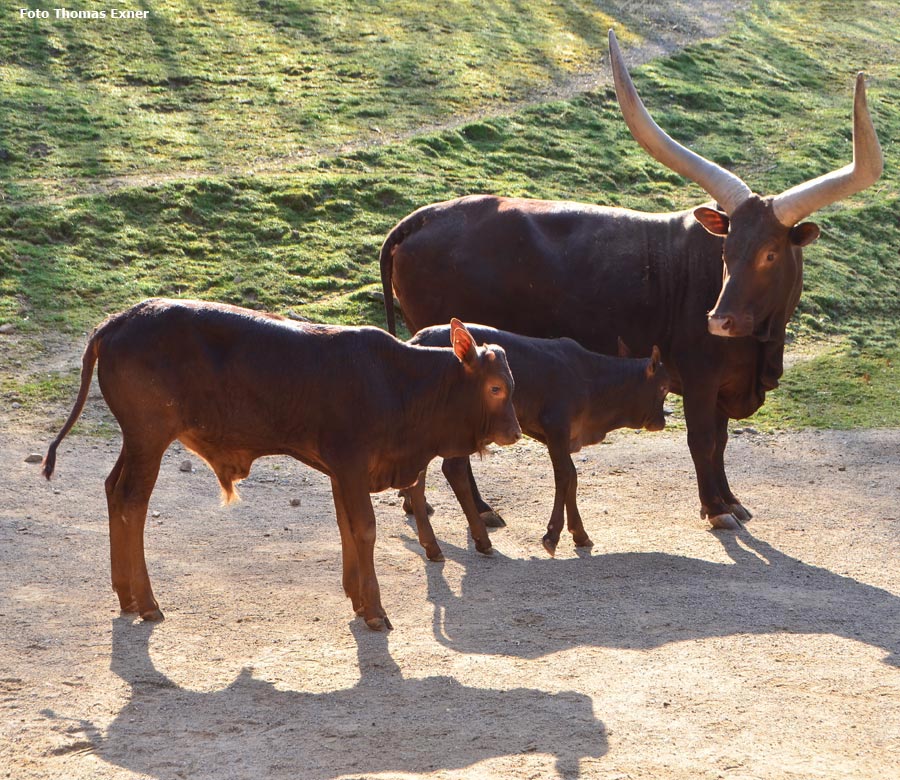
(771, 99)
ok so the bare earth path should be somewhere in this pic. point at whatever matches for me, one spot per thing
(669, 651)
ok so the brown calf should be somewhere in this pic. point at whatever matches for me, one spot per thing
(566, 397)
(233, 385)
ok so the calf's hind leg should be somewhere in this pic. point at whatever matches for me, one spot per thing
(128, 490)
(353, 504)
(416, 497)
(349, 559)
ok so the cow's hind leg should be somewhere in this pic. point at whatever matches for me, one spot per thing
(129, 486)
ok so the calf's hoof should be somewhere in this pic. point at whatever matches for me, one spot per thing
(152, 615)
(583, 541)
(493, 519)
(435, 556)
(408, 507)
(484, 549)
(379, 623)
(549, 546)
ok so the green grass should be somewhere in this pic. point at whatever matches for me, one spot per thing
(837, 389)
(771, 99)
(213, 85)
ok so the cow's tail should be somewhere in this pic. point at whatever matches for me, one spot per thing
(401, 230)
(87, 371)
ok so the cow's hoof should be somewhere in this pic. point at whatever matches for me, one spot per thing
(493, 519)
(436, 557)
(152, 615)
(740, 512)
(379, 623)
(584, 542)
(549, 546)
(726, 522)
(489, 550)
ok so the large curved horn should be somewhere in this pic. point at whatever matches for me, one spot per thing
(801, 201)
(726, 188)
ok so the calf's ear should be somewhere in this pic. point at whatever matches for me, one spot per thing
(655, 362)
(624, 352)
(463, 343)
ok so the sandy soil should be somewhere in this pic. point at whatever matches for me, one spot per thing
(668, 651)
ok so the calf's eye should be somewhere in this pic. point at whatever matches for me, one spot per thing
(496, 389)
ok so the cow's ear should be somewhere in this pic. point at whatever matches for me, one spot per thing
(655, 362)
(714, 221)
(463, 343)
(804, 233)
(624, 352)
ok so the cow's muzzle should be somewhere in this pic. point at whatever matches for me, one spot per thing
(730, 325)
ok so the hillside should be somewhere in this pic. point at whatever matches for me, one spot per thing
(258, 153)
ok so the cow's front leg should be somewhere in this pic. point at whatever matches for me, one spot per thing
(360, 516)
(741, 513)
(700, 415)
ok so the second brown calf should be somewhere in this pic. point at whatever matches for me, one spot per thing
(566, 397)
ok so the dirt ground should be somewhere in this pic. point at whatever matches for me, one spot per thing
(669, 650)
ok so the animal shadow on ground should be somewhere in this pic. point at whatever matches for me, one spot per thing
(251, 729)
(640, 600)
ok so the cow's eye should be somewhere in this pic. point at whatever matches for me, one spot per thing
(770, 257)
(496, 389)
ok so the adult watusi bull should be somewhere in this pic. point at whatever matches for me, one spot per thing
(714, 286)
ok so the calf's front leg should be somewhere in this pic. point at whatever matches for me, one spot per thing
(566, 486)
(457, 471)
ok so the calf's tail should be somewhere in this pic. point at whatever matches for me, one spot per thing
(87, 371)
(401, 230)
